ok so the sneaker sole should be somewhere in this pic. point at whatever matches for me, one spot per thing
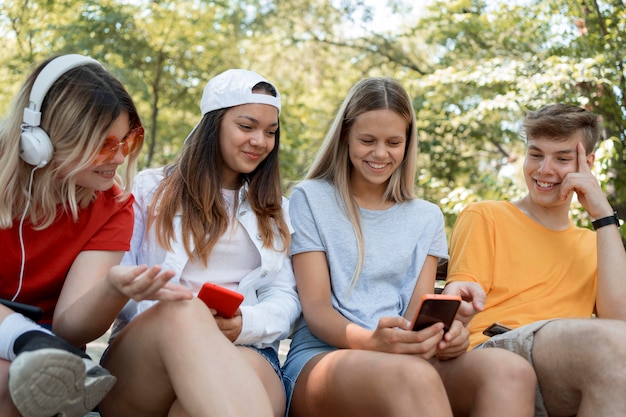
(49, 382)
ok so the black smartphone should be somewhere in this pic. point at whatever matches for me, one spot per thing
(32, 312)
(435, 308)
(496, 329)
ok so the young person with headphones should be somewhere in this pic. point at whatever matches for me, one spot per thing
(65, 221)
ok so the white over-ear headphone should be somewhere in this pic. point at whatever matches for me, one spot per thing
(35, 145)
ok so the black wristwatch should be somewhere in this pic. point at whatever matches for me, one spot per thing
(605, 221)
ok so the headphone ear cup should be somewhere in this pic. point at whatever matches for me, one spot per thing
(35, 146)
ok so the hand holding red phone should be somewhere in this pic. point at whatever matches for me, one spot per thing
(231, 328)
(224, 301)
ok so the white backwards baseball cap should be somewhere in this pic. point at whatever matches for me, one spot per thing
(234, 88)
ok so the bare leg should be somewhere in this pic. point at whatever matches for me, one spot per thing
(6, 404)
(581, 367)
(7, 409)
(4, 312)
(175, 352)
(365, 383)
(272, 383)
(489, 382)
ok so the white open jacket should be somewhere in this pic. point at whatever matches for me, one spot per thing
(271, 303)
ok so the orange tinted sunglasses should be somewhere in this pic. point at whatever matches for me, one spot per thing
(129, 143)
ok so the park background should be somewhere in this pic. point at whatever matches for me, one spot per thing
(473, 68)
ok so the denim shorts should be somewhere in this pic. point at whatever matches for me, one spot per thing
(521, 341)
(270, 355)
(304, 346)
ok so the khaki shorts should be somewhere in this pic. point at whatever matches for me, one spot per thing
(521, 341)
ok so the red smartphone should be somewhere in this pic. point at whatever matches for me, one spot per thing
(221, 299)
(435, 308)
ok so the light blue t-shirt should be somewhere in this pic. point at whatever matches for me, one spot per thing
(397, 241)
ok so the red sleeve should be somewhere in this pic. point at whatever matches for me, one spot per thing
(116, 232)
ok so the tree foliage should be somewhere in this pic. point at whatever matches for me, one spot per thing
(473, 67)
(500, 59)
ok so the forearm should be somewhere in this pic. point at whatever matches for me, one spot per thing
(329, 325)
(611, 274)
(89, 316)
(268, 321)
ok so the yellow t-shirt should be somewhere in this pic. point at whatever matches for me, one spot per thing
(528, 272)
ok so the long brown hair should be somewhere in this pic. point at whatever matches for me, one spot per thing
(192, 188)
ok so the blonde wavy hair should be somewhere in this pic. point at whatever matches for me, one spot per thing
(332, 162)
(77, 111)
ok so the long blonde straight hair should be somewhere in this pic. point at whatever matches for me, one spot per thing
(332, 162)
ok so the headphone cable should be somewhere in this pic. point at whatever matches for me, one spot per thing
(20, 231)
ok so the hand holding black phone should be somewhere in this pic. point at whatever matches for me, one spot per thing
(435, 308)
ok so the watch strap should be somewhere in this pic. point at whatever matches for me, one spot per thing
(605, 221)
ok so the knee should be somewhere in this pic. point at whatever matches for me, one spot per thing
(171, 318)
(505, 370)
(516, 367)
(415, 375)
(182, 312)
(605, 335)
(595, 351)
(605, 344)
(519, 373)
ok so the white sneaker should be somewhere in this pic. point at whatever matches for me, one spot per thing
(51, 382)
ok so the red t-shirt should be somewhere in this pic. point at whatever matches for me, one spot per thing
(106, 224)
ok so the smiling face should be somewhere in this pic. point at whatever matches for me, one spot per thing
(376, 145)
(101, 177)
(547, 163)
(247, 137)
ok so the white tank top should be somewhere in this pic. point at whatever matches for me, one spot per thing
(233, 256)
